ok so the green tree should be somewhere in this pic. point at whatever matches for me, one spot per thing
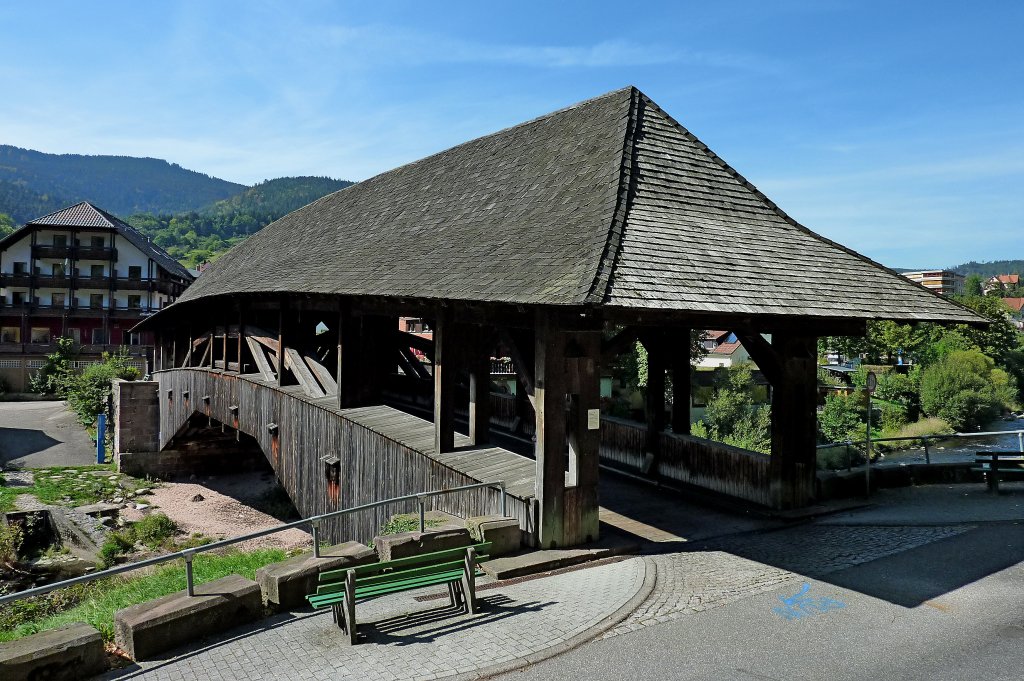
(57, 370)
(972, 285)
(732, 415)
(6, 225)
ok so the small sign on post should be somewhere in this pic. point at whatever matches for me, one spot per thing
(101, 438)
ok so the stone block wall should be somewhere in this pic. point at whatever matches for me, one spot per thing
(136, 416)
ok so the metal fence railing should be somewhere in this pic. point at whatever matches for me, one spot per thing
(313, 522)
(851, 445)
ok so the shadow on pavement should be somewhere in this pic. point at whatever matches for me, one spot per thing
(927, 572)
(416, 627)
(20, 442)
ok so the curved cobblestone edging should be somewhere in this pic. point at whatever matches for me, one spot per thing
(638, 599)
(521, 623)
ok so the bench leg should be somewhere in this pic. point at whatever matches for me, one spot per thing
(455, 594)
(350, 606)
(469, 581)
(992, 480)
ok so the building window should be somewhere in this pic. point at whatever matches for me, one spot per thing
(134, 339)
(134, 302)
(60, 239)
(17, 298)
(96, 271)
(97, 242)
(76, 335)
(40, 334)
(98, 337)
(57, 300)
(10, 334)
(135, 272)
(96, 301)
(58, 270)
(20, 268)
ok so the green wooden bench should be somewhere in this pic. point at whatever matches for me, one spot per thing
(995, 465)
(340, 589)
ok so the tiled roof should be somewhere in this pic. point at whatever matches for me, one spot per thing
(1012, 279)
(725, 348)
(609, 202)
(1016, 304)
(86, 215)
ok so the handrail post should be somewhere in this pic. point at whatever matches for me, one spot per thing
(1020, 440)
(315, 525)
(423, 514)
(927, 456)
(503, 495)
(189, 582)
(849, 457)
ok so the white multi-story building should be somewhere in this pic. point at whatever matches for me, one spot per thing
(84, 274)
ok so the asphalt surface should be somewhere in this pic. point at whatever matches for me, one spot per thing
(42, 434)
(950, 609)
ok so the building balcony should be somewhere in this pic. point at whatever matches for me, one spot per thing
(157, 285)
(51, 281)
(74, 252)
(9, 279)
(83, 349)
(102, 283)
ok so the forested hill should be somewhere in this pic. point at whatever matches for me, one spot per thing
(276, 197)
(990, 269)
(33, 183)
(203, 235)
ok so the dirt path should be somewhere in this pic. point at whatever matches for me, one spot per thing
(220, 508)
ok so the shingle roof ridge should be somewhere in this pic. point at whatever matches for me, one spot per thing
(600, 282)
(785, 216)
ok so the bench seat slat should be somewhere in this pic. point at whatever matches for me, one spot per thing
(336, 595)
(402, 563)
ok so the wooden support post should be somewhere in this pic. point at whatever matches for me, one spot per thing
(794, 413)
(241, 338)
(445, 368)
(549, 407)
(349, 377)
(654, 399)
(210, 345)
(280, 345)
(682, 389)
(225, 348)
(174, 351)
(479, 363)
(583, 380)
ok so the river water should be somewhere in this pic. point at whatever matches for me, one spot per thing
(960, 449)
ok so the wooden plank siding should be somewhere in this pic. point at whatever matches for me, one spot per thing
(383, 452)
(691, 460)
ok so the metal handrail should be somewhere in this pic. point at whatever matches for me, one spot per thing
(313, 522)
(925, 438)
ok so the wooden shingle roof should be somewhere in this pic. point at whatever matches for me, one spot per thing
(606, 203)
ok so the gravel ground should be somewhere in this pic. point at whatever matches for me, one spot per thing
(224, 510)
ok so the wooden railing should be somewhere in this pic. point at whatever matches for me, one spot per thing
(690, 460)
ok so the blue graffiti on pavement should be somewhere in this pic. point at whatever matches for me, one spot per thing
(801, 605)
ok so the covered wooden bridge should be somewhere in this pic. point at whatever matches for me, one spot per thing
(565, 240)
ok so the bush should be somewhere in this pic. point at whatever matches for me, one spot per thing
(154, 529)
(842, 418)
(118, 543)
(894, 417)
(965, 389)
(732, 415)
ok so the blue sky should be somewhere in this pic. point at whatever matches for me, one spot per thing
(896, 128)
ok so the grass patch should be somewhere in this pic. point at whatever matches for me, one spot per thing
(96, 602)
(71, 486)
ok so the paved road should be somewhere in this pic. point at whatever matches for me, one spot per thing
(952, 608)
(41, 434)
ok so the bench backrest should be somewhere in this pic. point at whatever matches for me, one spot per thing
(402, 564)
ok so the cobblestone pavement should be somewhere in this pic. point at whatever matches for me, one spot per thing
(518, 620)
(722, 571)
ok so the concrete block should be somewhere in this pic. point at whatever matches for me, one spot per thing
(503, 533)
(285, 585)
(407, 544)
(149, 628)
(74, 651)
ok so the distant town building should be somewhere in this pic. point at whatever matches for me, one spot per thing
(1002, 282)
(723, 350)
(84, 274)
(943, 282)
